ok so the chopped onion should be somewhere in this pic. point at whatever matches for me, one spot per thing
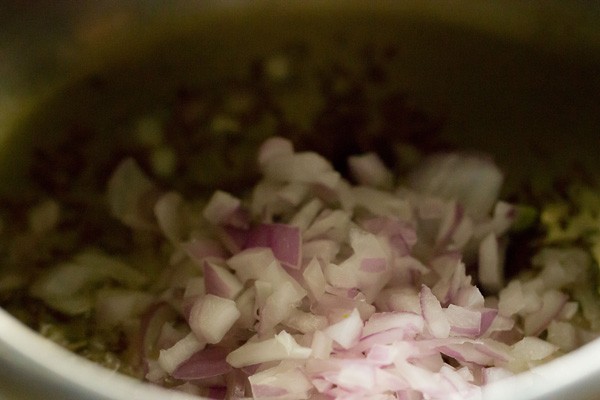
(368, 169)
(552, 303)
(277, 307)
(284, 240)
(128, 191)
(411, 324)
(281, 347)
(435, 318)
(65, 286)
(171, 358)
(220, 282)
(463, 321)
(170, 216)
(305, 167)
(260, 263)
(273, 147)
(200, 249)
(285, 381)
(224, 209)
(490, 264)
(114, 306)
(347, 331)
(205, 363)
(531, 349)
(318, 289)
(473, 181)
(212, 316)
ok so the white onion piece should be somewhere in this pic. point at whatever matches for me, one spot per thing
(479, 353)
(168, 336)
(409, 268)
(211, 317)
(343, 275)
(511, 299)
(305, 322)
(151, 326)
(463, 322)
(556, 276)
(367, 245)
(381, 355)
(200, 249)
(277, 307)
(399, 299)
(172, 357)
(437, 322)
(324, 249)
(71, 305)
(274, 147)
(245, 305)
(305, 216)
(394, 383)
(280, 347)
(532, 301)
(453, 216)
(568, 311)
(64, 279)
(222, 209)
(284, 240)
(111, 267)
(260, 263)
(265, 201)
(64, 286)
(299, 167)
(473, 181)
(154, 372)
(381, 203)
(205, 363)
(322, 345)
(285, 381)
(329, 224)
(529, 350)
(353, 378)
(314, 279)
(495, 374)
(552, 303)
(463, 233)
(170, 216)
(490, 264)
(219, 281)
(401, 236)
(293, 193)
(410, 323)
(347, 331)
(115, 306)
(128, 189)
(368, 169)
(453, 279)
(335, 306)
(563, 335)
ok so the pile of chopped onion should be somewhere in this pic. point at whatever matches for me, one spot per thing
(316, 288)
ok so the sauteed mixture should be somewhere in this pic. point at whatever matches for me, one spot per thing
(298, 235)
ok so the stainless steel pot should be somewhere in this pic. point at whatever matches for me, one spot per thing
(518, 79)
